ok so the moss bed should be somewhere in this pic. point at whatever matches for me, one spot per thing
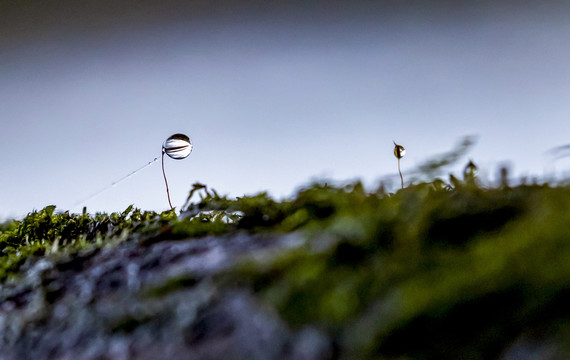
(432, 271)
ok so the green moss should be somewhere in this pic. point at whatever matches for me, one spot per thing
(172, 285)
(46, 232)
(432, 271)
(379, 271)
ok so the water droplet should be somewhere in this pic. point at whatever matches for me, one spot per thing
(178, 146)
(399, 151)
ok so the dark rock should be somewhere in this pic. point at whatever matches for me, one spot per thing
(148, 302)
(533, 348)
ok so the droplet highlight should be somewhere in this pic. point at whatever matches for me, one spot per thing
(177, 146)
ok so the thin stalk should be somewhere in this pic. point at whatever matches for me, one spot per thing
(166, 182)
(401, 177)
(113, 184)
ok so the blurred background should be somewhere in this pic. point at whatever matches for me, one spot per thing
(273, 94)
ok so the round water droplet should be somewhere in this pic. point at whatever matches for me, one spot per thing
(399, 151)
(178, 146)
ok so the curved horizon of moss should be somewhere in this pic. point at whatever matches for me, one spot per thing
(435, 263)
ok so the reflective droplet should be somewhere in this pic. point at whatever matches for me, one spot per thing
(178, 146)
(470, 168)
(399, 151)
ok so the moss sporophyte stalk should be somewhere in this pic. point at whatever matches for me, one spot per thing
(178, 147)
(399, 153)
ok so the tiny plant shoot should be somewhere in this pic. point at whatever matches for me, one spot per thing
(399, 152)
(178, 147)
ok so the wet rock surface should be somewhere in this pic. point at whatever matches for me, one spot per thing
(154, 301)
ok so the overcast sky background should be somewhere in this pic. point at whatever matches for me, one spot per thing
(273, 97)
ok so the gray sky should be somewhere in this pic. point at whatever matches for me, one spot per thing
(271, 98)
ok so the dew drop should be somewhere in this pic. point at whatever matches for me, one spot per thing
(178, 146)
(399, 151)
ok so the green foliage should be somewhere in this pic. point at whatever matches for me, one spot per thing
(436, 165)
(47, 232)
(393, 274)
(474, 266)
(436, 270)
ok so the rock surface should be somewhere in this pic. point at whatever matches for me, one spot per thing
(148, 302)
